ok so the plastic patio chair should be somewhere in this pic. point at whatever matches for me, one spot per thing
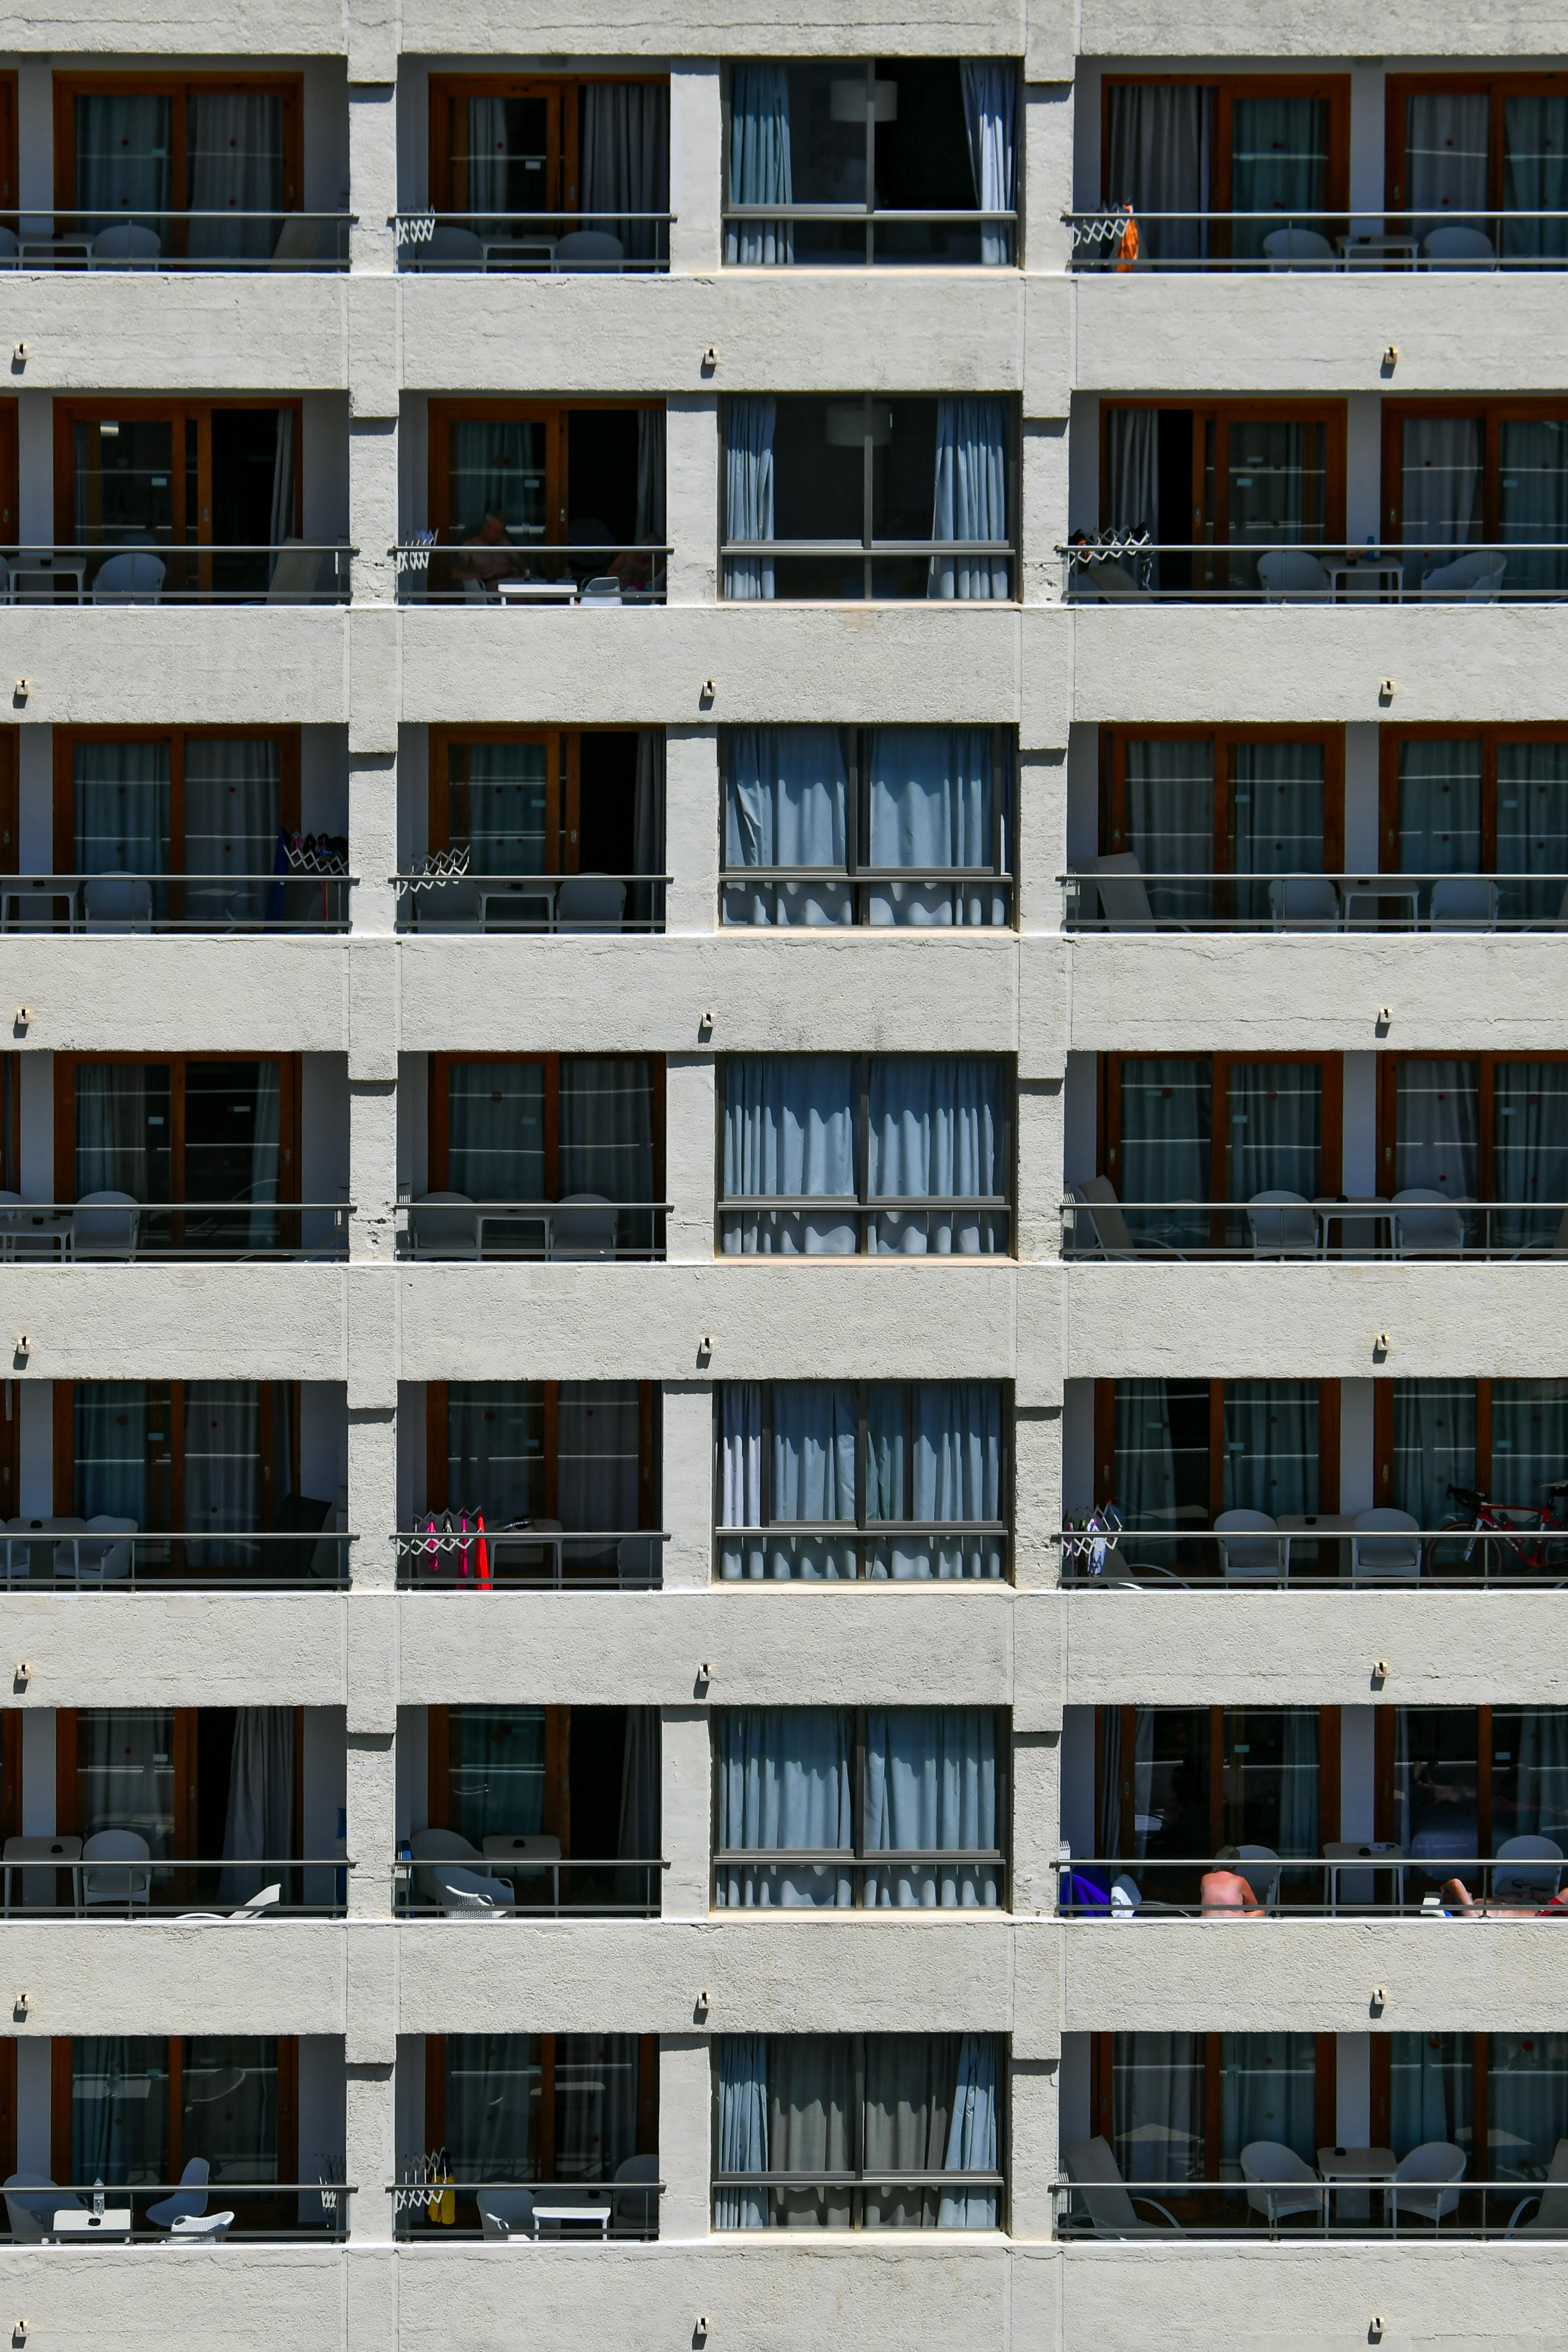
(105, 1224)
(121, 1887)
(134, 578)
(505, 2212)
(1516, 1885)
(1266, 2164)
(1292, 575)
(1299, 249)
(1468, 580)
(590, 902)
(116, 902)
(1457, 247)
(1242, 1556)
(451, 248)
(1551, 2201)
(1425, 2183)
(1103, 2194)
(587, 248)
(584, 1227)
(1463, 902)
(125, 245)
(1429, 1224)
(1284, 1224)
(446, 1225)
(1385, 1546)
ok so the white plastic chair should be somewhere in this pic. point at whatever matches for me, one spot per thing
(1468, 580)
(1112, 1235)
(32, 2215)
(98, 1562)
(1284, 1224)
(1463, 902)
(450, 247)
(505, 2212)
(637, 1564)
(125, 245)
(134, 578)
(1303, 902)
(1551, 2215)
(1434, 2166)
(587, 248)
(1517, 1886)
(1457, 247)
(100, 1886)
(590, 902)
(1241, 1555)
(1103, 2194)
(633, 2209)
(603, 589)
(1299, 249)
(105, 1224)
(248, 1912)
(1126, 1898)
(451, 1873)
(1428, 1225)
(446, 1225)
(584, 1228)
(1292, 575)
(1269, 2161)
(116, 902)
(1385, 1546)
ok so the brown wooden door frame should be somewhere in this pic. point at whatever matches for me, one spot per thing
(440, 1110)
(288, 1112)
(1212, 524)
(1331, 1118)
(1400, 88)
(557, 1821)
(561, 91)
(1106, 1467)
(438, 1453)
(561, 785)
(1226, 743)
(65, 740)
(1493, 414)
(184, 532)
(1391, 740)
(177, 87)
(1334, 87)
(255, 2211)
(434, 2128)
(1325, 2094)
(556, 415)
(1486, 1067)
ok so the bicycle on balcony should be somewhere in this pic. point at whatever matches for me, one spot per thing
(1536, 1534)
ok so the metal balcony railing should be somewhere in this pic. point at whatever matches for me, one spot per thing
(1524, 1547)
(181, 1889)
(1488, 238)
(1130, 567)
(1119, 893)
(864, 1552)
(305, 898)
(74, 2213)
(446, 2198)
(198, 240)
(555, 244)
(1416, 1225)
(110, 1227)
(451, 898)
(584, 1228)
(1375, 1880)
(156, 571)
(71, 1555)
(523, 573)
(438, 1557)
(552, 1886)
(900, 236)
(855, 888)
(1357, 2194)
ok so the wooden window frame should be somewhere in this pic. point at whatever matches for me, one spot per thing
(1490, 739)
(439, 1099)
(1330, 1763)
(436, 1441)
(1382, 1435)
(71, 412)
(1211, 526)
(1226, 741)
(65, 740)
(64, 1449)
(1329, 1410)
(177, 88)
(1325, 2099)
(1493, 415)
(557, 1821)
(289, 1075)
(8, 178)
(256, 2213)
(1331, 1116)
(563, 796)
(1227, 88)
(1400, 88)
(558, 91)
(553, 415)
(1486, 1124)
(434, 2125)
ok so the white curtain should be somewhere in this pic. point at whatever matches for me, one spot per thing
(786, 1780)
(231, 824)
(990, 97)
(748, 494)
(789, 1130)
(786, 791)
(259, 1829)
(1532, 824)
(1157, 2106)
(1434, 1446)
(933, 799)
(625, 164)
(930, 1783)
(1529, 1152)
(1267, 2091)
(971, 496)
(759, 166)
(1170, 804)
(233, 162)
(122, 156)
(282, 521)
(644, 900)
(1133, 472)
(938, 1125)
(1437, 1148)
(1271, 1446)
(121, 792)
(1161, 158)
(1440, 475)
(223, 1468)
(935, 1452)
(1447, 155)
(1441, 784)
(1534, 178)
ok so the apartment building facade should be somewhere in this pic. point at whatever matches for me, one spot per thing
(575, 1394)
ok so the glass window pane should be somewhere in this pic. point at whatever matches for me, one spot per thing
(1271, 1446)
(596, 2103)
(1533, 827)
(1166, 1152)
(122, 1134)
(232, 1149)
(1275, 816)
(1447, 157)
(229, 2108)
(1276, 1122)
(1269, 1792)
(492, 2105)
(232, 818)
(121, 1451)
(1162, 1457)
(1434, 1451)
(1534, 177)
(124, 481)
(1170, 1782)
(1529, 1112)
(1435, 1128)
(125, 1773)
(1277, 486)
(1170, 822)
(495, 1771)
(1529, 1442)
(1431, 2090)
(497, 804)
(496, 1130)
(121, 808)
(495, 1450)
(1279, 163)
(119, 2109)
(1532, 503)
(1527, 2104)
(1530, 1779)
(1440, 808)
(498, 471)
(1157, 2098)
(1267, 2091)
(1436, 1788)
(122, 154)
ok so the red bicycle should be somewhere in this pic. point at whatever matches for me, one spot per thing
(1535, 1535)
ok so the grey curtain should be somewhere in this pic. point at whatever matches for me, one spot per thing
(1447, 152)
(119, 2108)
(759, 166)
(1431, 2090)
(1275, 816)
(122, 797)
(110, 1449)
(498, 808)
(933, 802)
(1271, 1446)
(938, 1125)
(1533, 502)
(490, 160)
(1434, 1446)
(123, 155)
(1440, 808)
(1170, 807)
(785, 1778)
(607, 1126)
(789, 1130)
(1133, 472)
(642, 1806)
(1531, 827)
(649, 525)
(125, 1773)
(971, 496)
(259, 1829)
(1148, 1487)
(1527, 2102)
(496, 1130)
(786, 793)
(493, 2089)
(1275, 1128)
(1534, 178)
(596, 1454)
(495, 1449)
(1157, 2106)
(1161, 158)
(1435, 1144)
(1267, 2091)
(1440, 474)
(1167, 1115)
(748, 494)
(498, 467)
(990, 97)
(231, 824)
(282, 525)
(113, 1153)
(233, 162)
(496, 1771)
(223, 1465)
(934, 1451)
(625, 164)
(1530, 1438)
(1279, 163)
(644, 901)
(930, 1783)
(811, 1476)
(1529, 1153)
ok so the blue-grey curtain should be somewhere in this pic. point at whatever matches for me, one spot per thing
(223, 1466)
(1532, 1777)
(125, 1773)
(1447, 158)
(748, 494)
(1531, 826)
(625, 164)
(122, 809)
(742, 2130)
(1534, 178)
(1436, 1141)
(759, 166)
(1170, 817)
(496, 1130)
(786, 799)
(786, 1779)
(495, 1449)
(110, 1454)
(115, 1151)
(933, 799)
(258, 1826)
(119, 2109)
(812, 1476)
(990, 99)
(493, 2086)
(499, 806)
(971, 499)
(1271, 1446)
(607, 1126)
(1533, 502)
(231, 825)
(1156, 1477)
(597, 1465)
(1167, 1125)
(789, 1130)
(1431, 2090)
(234, 163)
(1530, 1154)
(972, 2138)
(1157, 2094)
(1279, 162)
(124, 150)
(1267, 2091)
(1299, 1766)
(930, 1783)
(937, 1125)
(1527, 2102)
(1441, 484)
(1276, 815)
(1161, 161)
(934, 1451)
(1440, 808)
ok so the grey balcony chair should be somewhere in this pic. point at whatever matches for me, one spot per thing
(633, 2208)
(1283, 1224)
(1103, 2195)
(1112, 1236)
(1107, 583)
(1551, 2203)
(505, 2212)
(1263, 1870)
(32, 2201)
(1243, 1557)
(134, 578)
(603, 589)
(1269, 2163)
(1292, 575)
(105, 1224)
(1304, 902)
(298, 237)
(451, 1874)
(95, 1557)
(105, 1888)
(1463, 902)
(590, 902)
(189, 2202)
(449, 906)
(584, 1227)
(1386, 1547)
(1468, 580)
(10, 251)
(1517, 1883)
(447, 1225)
(1426, 2182)
(116, 902)
(451, 248)
(125, 245)
(1428, 1225)
(587, 248)
(1123, 898)
(1299, 249)
(1457, 247)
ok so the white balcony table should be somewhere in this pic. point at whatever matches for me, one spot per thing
(38, 1853)
(48, 252)
(48, 569)
(513, 899)
(537, 592)
(18, 892)
(76, 2222)
(1356, 886)
(29, 1233)
(1368, 252)
(503, 253)
(588, 2212)
(1354, 2172)
(1378, 1213)
(1358, 581)
(1374, 1855)
(1335, 1525)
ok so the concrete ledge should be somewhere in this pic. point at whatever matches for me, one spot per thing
(155, 1976)
(178, 1649)
(179, 993)
(179, 664)
(95, 330)
(186, 1322)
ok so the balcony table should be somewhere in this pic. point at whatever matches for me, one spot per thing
(1360, 250)
(1345, 582)
(1343, 1213)
(18, 892)
(592, 2213)
(76, 2222)
(537, 592)
(1379, 1854)
(1326, 1523)
(1374, 887)
(49, 568)
(20, 1853)
(1363, 2168)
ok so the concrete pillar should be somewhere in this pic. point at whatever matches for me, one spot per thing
(692, 818)
(685, 2135)
(1044, 522)
(1038, 1215)
(691, 496)
(686, 1799)
(688, 1159)
(1034, 2137)
(696, 154)
(373, 174)
(1040, 840)
(688, 1484)
(1037, 1820)
(1048, 175)
(1037, 1496)
(371, 2150)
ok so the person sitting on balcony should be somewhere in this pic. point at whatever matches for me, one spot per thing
(489, 555)
(1460, 1903)
(1224, 1893)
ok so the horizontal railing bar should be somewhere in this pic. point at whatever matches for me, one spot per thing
(522, 1532)
(1391, 883)
(846, 1857)
(1088, 554)
(871, 1530)
(522, 883)
(933, 546)
(740, 877)
(110, 1863)
(25, 1535)
(953, 2179)
(861, 214)
(436, 2183)
(400, 1865)
(531, 547)
(195, 549)
(216, 2188)
(558, 211)
(994, 1203)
